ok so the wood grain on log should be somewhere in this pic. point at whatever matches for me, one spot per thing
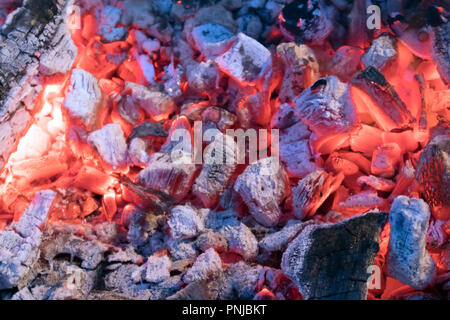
(28, 33)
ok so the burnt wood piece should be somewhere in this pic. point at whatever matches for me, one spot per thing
(440, 47)
(27, 34)
(330, 261)
(391, 113)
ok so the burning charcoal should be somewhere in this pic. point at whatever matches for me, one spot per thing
(440, 50)
(263, 187)
(124, 256)
(110, 143)
(206, 265)
(360, 203)
(109, 19)
(385, 160)
(407, 259)
(433, 174)
(106, 231)
(167, 176)
(314, 26)
(84, 97)
(301, 69)
(241, 240)
(181, 250)
(345, 62)
(157, 269)
(214, 177)
(75, 285)
(91, 252)
(141, 226)
(336, 164)
(148, 129)
(436, 236)
(327, 108)
(211, 239)
(219, 116)
(250, 25)
(370, 89)
(330, 261)
(278, 241)
(203, 77)
(137, 152)
(155, 103)
(121, 280)
(212, 39)
(246, 61)
(381, 53)
(377, 183)
(185, 222)
(312, 191)
(19, 244)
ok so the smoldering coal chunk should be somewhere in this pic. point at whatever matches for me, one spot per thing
(346, 62)
(219, 167)
(263, 187)
(250, 25)
(203, 77)
(148, 129)
(185, 222)
(441, 50)
(19, 243)
(327, 108)
(279, 240)
(240, 240)
(157, 269)
(121, 280)
(109, 19)
(110, 143)
(330, 261)
(208, 264)
(407, 258)
(301, 69)
(382, 51)
(246, 61)
(137, 152)
(211, 239)
(382, 101)
(312, 191)
(212, 39)
(433, 172)
(167, 175)
(155, 102)
(90, 252)
(83, 99)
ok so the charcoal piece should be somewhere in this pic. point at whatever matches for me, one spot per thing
(263, 187)
(246, 60)
(279, 240)
(330, 261)
(19, 243)
(383, 102)
(407, 258)
(75, 285)
(212, 39)
(203, 77)
(148, 129)
(181, 250)
(185, 222)
(301, 69)
(211, 239)
(207, 265)
(137, 152)
(121, 281)
(240, 240)
(441, 51)
(29, 29)
(166, 175)
(157, 269)
(110, 143)
(90, 252)
(329, 111)
(312, 191)
(433, 173)
(382, 51)
(154, 101)
(215, 175)
(82, 102)
(250, 25)
(109, 18)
